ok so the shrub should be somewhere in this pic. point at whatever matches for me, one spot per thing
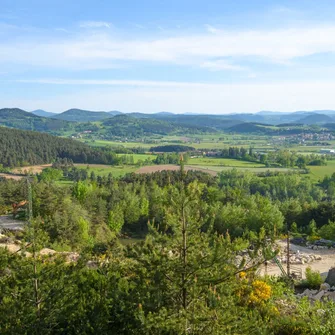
(313, 278)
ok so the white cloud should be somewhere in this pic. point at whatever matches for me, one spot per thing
(95, 24)
(102, 50)
(211, 29)
(221, 64)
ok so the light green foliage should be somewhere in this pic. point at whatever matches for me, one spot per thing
(51, 174)
(313, 278)
(328, 231)
(80, 191)
(312, 229)
(116, 219)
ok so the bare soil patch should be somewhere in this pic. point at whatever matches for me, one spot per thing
(33, 169)
(323, 265)
(10, 176)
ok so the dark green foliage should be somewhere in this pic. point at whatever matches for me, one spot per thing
(17, 118)
(127, 126)
(19, 148)
(79, 115)
(172, 148)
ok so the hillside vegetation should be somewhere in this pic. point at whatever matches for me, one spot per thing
(127, 126)
(18, 118)
(20, 148)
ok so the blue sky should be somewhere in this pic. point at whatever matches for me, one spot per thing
(178, 56)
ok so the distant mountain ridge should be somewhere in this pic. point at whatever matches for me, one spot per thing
(80, 115)
(115, 123)
(43, 113)
(268, 117)
(20, 119)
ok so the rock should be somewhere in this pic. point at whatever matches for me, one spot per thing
(325, 287)
(331, 277)
(318, 296)
(306, 293)
(331, 296)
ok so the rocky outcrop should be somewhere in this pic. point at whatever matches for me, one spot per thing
(331, 277)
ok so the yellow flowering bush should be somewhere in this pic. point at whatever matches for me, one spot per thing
(260, 293)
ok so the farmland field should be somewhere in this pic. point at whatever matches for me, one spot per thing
(213, 170)
(140, 157)
(319, 172)
(104, 170)
(223, 162)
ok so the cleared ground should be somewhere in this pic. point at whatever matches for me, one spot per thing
(10, 176)
(323, 266)
(33, 169)
(168, 167)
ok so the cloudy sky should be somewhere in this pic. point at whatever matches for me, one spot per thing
(209, 56)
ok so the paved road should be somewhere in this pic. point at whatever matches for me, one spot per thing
(6, 222)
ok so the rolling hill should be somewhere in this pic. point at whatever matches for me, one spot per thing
(129, 126)
(80, 115)
(20, 119)
(316, 119)
(43, 113)
(216, 122)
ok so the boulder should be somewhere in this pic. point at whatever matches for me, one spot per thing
(331, 296)
(325, 287)
(331, 277)
(318, 296)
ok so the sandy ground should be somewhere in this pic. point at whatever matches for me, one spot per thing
(10, 176)
(323, 266)
(168, 167)
(31, 169)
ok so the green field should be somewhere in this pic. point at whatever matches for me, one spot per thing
(140, 157)
(319, 172)
(251, 169)
(207, 161)
(104, 170)
(214, 141)
(102, 143)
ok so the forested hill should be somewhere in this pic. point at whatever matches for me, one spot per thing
(125, 125)
(79, 115)
(18, 118)
(20, 148)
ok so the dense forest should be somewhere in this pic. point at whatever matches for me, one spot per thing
(192, 270)
(128, 126)
(21, 148)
